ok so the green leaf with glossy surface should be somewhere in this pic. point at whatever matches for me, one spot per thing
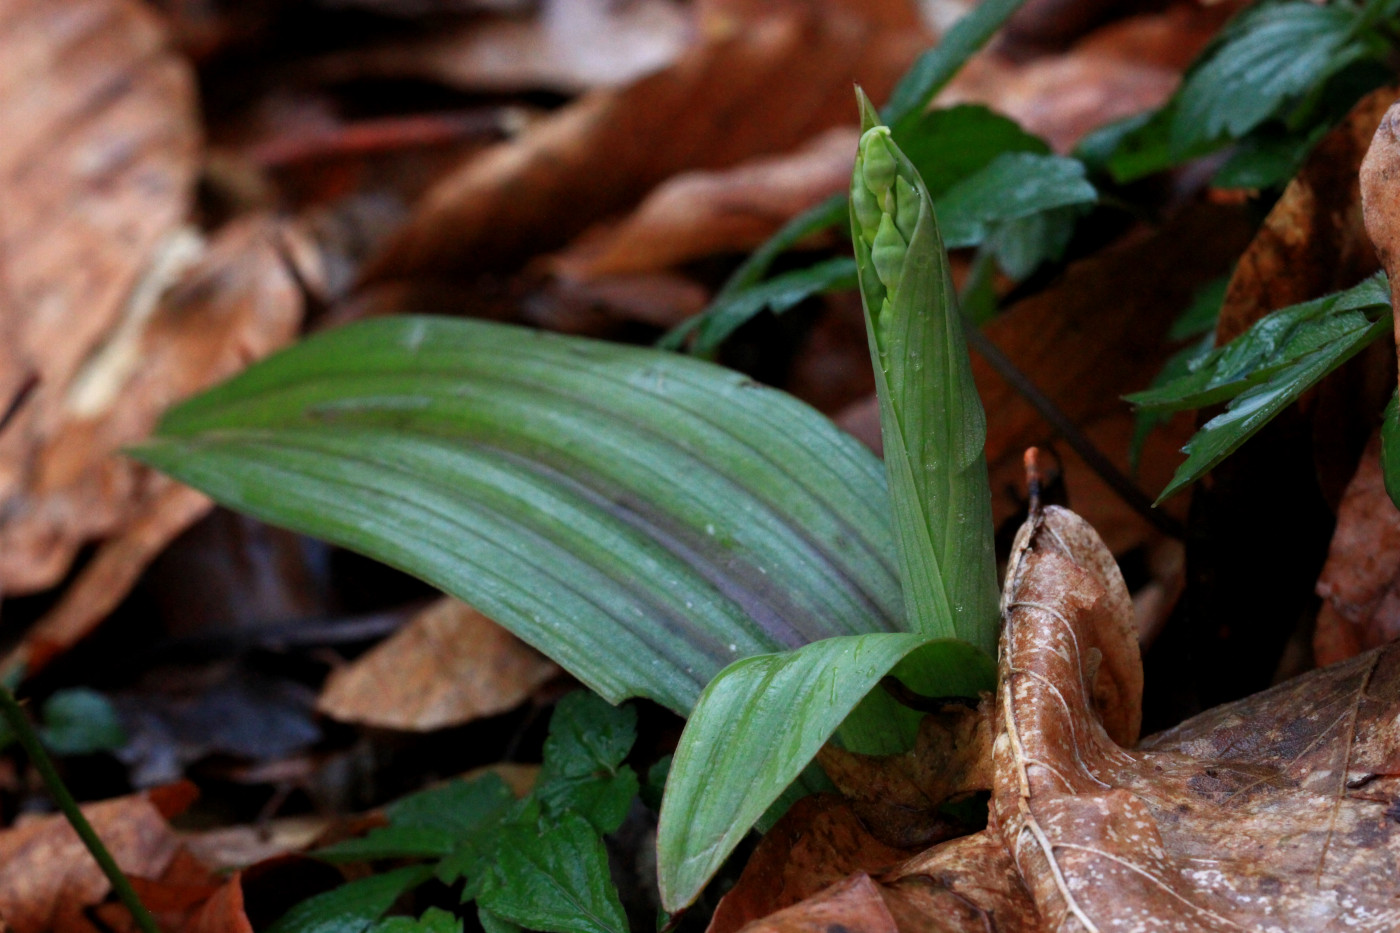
(642, 518)
(1257, 405)
(352, 907)
(1013, 186)
(931, 420)
(778, 294)
(553, 875)
(1272, 54)
(759, 723)
(1274, 342)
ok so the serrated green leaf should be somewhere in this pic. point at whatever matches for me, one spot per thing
(552, 875)
(352, 907)
(642, 518)
(1013, 186)
(1390, 448)
(1256, 406)
(494, 923)
(1274, 342)
(583, 754)
(759, 723)
(1023, 245)
(391, 842)
(932, 70)
(934, 432)
(80, 721)
(1272, 54)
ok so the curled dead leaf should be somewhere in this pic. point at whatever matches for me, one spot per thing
(1271, 813)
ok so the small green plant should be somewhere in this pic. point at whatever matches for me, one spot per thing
(537, 863)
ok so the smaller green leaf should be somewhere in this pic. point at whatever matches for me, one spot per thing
(352, 907)
(1023, 245)
(1015, 185)
(781, 293)
(583, 770)
(932, 70)
(391, 842)
(1268, 159)
(1271, 54)
(552, 875)
(1272, 343)
(1255, 407)
(459, 807)
(80, 721)
(1390, 449)
(434, 920)
(758, 725)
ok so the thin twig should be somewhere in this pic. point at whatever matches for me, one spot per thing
(19, 722)
(1124, 487)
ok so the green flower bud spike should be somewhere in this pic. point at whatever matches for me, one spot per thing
(931, 420)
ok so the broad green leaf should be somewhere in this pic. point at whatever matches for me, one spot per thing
(1272, 54)
(759, 723)
(932, 70)
(434, 920)
(553, 875)
(80, 721)
(642, 518)
(930, 416)
(391, 842)
(1013, 186)
(352, 907)
(583, 768)
(1256, 406)
(1390, 449)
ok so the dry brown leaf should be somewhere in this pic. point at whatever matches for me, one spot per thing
(1361, 579)
(97, 168)
(47, 877)
(853, 905)
(1314, 240)
(448, 666)
(567, 46)
(898, 797)
(1119, 70)
(223, 912)
(698, 214)
(1272, 813)
(819, 841)
(237, 303)
(757, 87)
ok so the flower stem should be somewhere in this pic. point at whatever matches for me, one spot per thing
(19, 722)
